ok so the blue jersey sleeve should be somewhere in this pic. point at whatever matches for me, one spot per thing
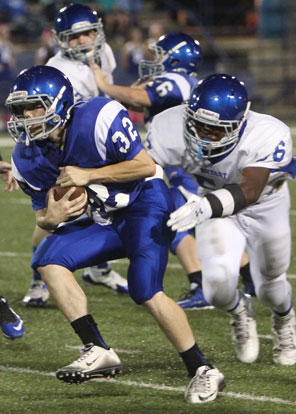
(163, 93)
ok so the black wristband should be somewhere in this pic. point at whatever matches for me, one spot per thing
(227, 201)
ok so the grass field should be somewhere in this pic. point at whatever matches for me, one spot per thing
(154, 378)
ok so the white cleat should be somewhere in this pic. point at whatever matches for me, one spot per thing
(244, 333)
(37, 295)
(205, 385)
(284, 333)
(110, 279)
(93, 362)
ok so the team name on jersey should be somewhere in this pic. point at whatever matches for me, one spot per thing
(212, 172)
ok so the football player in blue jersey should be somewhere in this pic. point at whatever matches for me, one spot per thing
(166, 82)
(95, 144)
(80, 35)
(10, 323)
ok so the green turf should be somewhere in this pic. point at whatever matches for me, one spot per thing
(27, 384)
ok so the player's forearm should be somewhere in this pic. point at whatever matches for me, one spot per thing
(123, 172)
(127, 95)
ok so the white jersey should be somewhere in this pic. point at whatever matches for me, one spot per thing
(81, 76)
(266, 142)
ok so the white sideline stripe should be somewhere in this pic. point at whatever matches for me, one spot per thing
(155, 387)
(265, 336)
(14, 254)
(121, 261)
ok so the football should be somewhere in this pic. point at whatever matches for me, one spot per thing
(58, 192)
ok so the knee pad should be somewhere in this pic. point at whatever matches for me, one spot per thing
(275, 293)
(219, 285)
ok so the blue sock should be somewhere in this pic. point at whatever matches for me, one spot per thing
(36, 275)
(193, 358)
(87, 330)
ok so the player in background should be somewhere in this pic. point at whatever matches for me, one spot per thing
(10, 323)
(95, 144)
(242, 160)
(166, 82)
(80, 37)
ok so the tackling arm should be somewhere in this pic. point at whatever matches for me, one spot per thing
(221, 203)
(141, 166)
(131, 96)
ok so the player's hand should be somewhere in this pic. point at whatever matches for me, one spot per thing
(4, 167)
(6, 175)
(196, 210)
(63, 209)
(73, 176)
(101, 78)
(11, 183)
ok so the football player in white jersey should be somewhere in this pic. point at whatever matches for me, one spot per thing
(241, 160)
(95, 144)
(80, 36)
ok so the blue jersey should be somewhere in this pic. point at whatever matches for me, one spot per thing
(99, 133)
(167, 90)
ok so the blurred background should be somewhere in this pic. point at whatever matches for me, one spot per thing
(252, 39)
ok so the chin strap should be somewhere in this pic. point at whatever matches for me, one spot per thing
(53, 106)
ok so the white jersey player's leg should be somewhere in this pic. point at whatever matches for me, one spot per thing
(221, 244)
(267, 229)
(269, 248)
(220, 247)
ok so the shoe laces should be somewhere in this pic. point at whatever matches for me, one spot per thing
(240, 322)
(85, 352)
(284, 332)
(202, 382)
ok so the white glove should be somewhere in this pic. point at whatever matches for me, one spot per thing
(196, 210)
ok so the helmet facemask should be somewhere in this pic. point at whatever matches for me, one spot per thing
(150, 68)
(19, 126)
(204, 148)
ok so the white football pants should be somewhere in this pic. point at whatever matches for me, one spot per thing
(263, 229)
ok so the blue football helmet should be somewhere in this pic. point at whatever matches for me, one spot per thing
(175, 52)
(219, 102)
(39, 86)
(74, 19)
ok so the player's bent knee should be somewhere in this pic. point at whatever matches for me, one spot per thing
(155, 302)
(272, 292)
(218, 285)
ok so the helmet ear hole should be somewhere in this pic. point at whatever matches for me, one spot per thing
(174, 62)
